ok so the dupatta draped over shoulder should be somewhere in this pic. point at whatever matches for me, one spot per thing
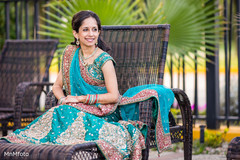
(113, 127)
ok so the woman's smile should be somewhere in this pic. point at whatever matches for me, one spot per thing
(90, 39)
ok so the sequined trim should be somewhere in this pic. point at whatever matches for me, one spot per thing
(88, 74)
(88, 78)
(75, 134)
(137, 140)
(163, 140)
(14, 139)
(36, 131)
(109, 151)
(141, 96)
(66, 63)
(40, 129)
(116, 136)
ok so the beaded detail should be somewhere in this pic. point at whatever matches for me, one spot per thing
(92, 73)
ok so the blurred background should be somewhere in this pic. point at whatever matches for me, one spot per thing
(203, 50)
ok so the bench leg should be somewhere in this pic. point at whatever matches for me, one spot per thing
(145, 152)
(186, 113)
(4, 127)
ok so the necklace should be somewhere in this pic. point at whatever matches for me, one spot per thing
(86, 58)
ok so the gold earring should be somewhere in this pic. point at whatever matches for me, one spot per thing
(77, 42)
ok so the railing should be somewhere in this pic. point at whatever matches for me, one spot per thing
(24, 16)
(213, 116)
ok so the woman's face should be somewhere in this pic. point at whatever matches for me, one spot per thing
(88, 32)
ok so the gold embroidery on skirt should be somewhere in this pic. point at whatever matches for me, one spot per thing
(40, 129)
(75, 133)
(116, 136)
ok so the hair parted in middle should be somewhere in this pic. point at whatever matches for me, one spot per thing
(77, 21)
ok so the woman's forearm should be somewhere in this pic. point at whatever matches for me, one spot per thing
(106, 98)
(57, 86)
(58, 92)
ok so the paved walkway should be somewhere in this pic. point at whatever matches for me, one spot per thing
(179, 156)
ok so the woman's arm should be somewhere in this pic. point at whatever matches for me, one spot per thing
(57, 86)
(58, 92)
(111, 84)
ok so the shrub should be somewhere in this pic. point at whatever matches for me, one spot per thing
(215, 139)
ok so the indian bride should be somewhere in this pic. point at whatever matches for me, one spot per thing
(92, 108)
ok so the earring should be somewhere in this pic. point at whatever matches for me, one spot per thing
(96, 43)
(77, 42)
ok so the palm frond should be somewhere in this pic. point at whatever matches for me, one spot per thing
(111, 12)
(192, 25)
(193, 28)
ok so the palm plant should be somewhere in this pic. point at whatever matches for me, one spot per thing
(111, 12)
(193, 28)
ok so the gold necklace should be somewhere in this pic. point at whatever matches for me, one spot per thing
(86, 58)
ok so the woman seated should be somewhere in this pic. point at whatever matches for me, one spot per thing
(93, 109)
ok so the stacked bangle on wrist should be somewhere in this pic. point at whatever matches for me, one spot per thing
(92, 99)
(61, 99)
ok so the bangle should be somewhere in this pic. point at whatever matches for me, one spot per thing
(87, 99)
(61, 99)
(92, 99)
(96, 99)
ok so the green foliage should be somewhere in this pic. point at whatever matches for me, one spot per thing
(198, 148)
(177, 146)
(193, 29)
(193, 26)
(111, 12)
(2, 24)
(215, 139)
(211, 140)
(12, 21)
(203, 112)
(2, 29)
(175, 112)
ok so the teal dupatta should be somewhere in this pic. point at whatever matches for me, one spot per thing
(78, 85)
(113, 127)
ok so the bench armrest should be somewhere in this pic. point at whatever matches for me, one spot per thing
(187, 117)
(20, 95)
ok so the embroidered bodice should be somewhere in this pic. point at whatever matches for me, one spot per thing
(73, 69)
(92, 73)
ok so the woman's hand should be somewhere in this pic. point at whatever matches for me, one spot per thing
(71, 99)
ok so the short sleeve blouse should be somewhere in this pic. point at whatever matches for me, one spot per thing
(94, 70)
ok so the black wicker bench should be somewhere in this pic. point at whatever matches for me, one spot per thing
(233, 152)
(140, 53)
(23, 63)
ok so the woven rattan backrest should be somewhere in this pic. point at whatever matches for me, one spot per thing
(23, 60)
(139, 52)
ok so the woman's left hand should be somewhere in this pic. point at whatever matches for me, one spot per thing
(71, 99)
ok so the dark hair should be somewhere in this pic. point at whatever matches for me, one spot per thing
(77, 20)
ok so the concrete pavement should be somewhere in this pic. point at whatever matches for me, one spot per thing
(179, 156)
